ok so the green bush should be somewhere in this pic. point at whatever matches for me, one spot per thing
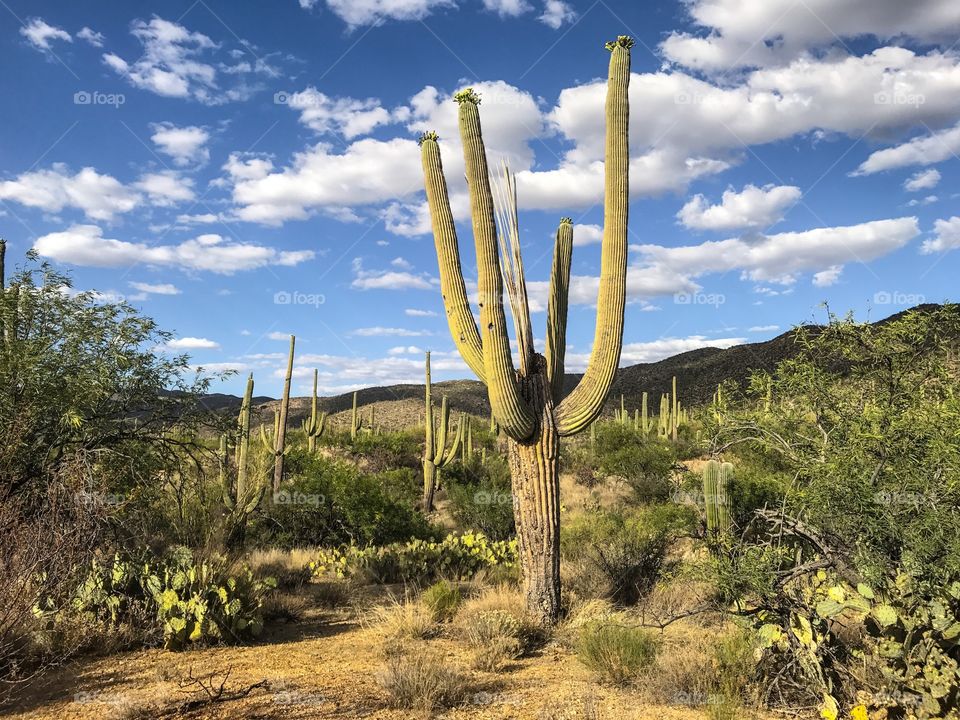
(442, 599)
(617, 653)
(388, 450)
(620, 555)
(329, 502)
(481, 498)
(645, 464)
(457, 557)
(189, 601)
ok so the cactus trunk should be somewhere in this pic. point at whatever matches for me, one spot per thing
(281, 434)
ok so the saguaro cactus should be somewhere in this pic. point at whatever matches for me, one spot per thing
(435, 452)
(674, 415)
(281, 427)
(314, 427)
(526, 402)
(356, 422)
(240, 497)
(716, 497)
(644, 419)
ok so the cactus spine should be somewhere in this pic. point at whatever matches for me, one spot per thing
(716, 485)
(314, 427)
(435, 453)
(527, 405)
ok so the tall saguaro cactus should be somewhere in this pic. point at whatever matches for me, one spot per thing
(527, 403)
(716, 497)
(314, 427)
(435, 452)
(281, 434)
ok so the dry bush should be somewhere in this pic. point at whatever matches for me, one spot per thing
(331, 593)
(404, 620)
(290, 568)
(421, 680)
(504, 602)
(284, 606)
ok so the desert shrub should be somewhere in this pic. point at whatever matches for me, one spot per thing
(481, 498)
(456, 557)
(332, 502)
(187, 601)
(617, 653)
(405, 620)
(620, 555)
(645, 464)
(289, 569)
(442, 599)
(284, 606)
(420, 680)
(388, 450)
(733, 666)
(498, 627)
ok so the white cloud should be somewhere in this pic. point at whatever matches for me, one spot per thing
(779, 258)
(278, 336)
(587, 235)
(166, 188)
(947, 237)
(655, 350)
(926, 200)
(388, 332)
(349, 117)
(828, 277)
(744, 34)
(186, 145)
(401, 263)
(192, 343)
(39, 34)
(370, 12)
(176, 63)
(159, 289)
(922, 180)
(389, 279)
(201, 219)
(556, 13)
(925, 150)
(85, 245)
(508, 8)
(405, 350)
(763, 328)
(91, 36)
(753, 207)
(414, 312)
(100, 197)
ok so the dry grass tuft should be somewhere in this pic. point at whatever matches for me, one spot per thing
(421, 680)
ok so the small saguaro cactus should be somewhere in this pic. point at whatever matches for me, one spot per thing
(435, 452)
(281, 425)
(716, 497)
(317, 423)
(356, 422)
(644, 419)
(675, 414)
(240, 497)
(527, 402)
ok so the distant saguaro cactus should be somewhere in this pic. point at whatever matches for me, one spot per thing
(281, 427)
(716, 497)
(527, 402)
(317, 423)
(435, 452)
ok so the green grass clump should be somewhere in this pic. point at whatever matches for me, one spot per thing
(442, 599)
(617, 653)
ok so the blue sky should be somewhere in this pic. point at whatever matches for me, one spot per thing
(242, 171)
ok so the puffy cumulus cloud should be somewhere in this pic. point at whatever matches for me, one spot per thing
(922, 180)
(779, 258)
(91, 36)
(345, 373)
(40, 34)
(828, 277)
(655, 350)
(556, 13)
(752, 207)
(166, 188)
(85, 245)
(192, 343)
(753, 34)
(368, 172)
(177, 62)
(416, 312)
(946, 237)
(390, 279)
(763, 328)
(186, 145)
(508, 8)
(350, 117)
(100, 197)
(585, 234)
(924, 150)
(371, 12)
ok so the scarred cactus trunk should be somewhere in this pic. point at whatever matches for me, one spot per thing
(527, 405)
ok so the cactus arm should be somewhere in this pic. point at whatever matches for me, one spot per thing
(511, 410)
(455, 446)
(441, 439)
(581, 406)
(463, 326)
(557, 307)
(243, 442)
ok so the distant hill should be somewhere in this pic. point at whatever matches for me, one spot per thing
(698, 372)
